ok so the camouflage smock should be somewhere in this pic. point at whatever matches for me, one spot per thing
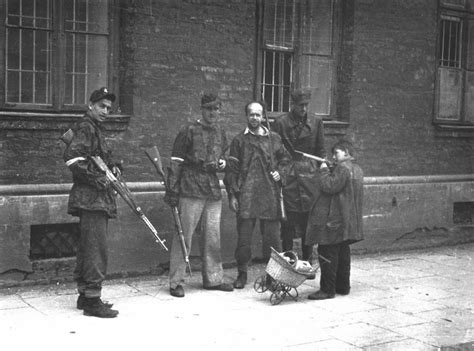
(87, 193)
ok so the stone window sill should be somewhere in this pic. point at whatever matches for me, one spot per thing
(454, 131)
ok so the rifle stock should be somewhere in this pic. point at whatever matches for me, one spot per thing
(154, 156)
(122, 189)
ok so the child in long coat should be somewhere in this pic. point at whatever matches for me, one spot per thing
(335, 221)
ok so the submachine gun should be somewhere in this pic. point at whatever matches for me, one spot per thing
(154, 156)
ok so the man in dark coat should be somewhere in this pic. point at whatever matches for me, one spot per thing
(252, 184)
(302, 132)
(198, 154)
(93, 200)
(335, 221)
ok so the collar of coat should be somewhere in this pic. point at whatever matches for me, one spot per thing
(295, 120)
(91, 120)
(265, 131)
(207, 126)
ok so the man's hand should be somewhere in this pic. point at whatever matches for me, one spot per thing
(276, 176)
(103, 182)
(172, 199)
(233, 204)
(323, 165)
(116, 171)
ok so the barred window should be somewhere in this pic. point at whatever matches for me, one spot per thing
(298, 43)
(454, 103)
(450, 48)
(57, 52)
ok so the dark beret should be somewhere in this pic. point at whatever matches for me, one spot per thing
(102, 93)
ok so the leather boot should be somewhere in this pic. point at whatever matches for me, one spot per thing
(95, 307)
(241, 280)
(81, 301)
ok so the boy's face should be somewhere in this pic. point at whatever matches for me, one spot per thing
(341, 155)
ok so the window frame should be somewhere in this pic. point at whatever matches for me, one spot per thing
(58, 61)
(464, 14)
(298, 55)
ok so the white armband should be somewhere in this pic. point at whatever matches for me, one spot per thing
(74, 160)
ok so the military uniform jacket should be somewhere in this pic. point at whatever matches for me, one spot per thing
(305, 135)
(336, 215)
(248, 176)
(196, 150)
(87, 193)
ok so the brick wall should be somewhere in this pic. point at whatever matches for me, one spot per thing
(172, 52)
(389, 67)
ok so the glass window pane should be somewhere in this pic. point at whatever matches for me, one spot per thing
(13, 49)
(469, 98)
(80, 89)
(276, 85)
(26, 87)
(42, 10)
(13, 20)
(97, 58)
(28, 8)
(41, 88)
(450, 45)
(80, 51)
(68, 90)
(13, 7)
(69, 14)
(27, 49)
(41, 51)
(13, 87)
(317, 75)
(81, 15)
(317, 27)
(69, 52)
(279, 23)
(450, 85)
(98, 16)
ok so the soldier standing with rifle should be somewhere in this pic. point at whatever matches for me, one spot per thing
(253, 180)
(197, 156)
(300, 131)
(92, 199)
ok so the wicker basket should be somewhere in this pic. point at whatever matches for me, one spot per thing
(279, 269)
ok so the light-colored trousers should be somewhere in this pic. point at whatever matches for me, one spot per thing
(208, 212)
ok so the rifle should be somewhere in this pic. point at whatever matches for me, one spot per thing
(272, 162)
(313, 157)
(121, 188)
(154, 156)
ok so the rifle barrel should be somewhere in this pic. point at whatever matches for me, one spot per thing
(124, 192)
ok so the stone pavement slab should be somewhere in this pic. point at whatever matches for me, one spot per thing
(413, 300)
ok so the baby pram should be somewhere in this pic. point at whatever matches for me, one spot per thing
(281, 278)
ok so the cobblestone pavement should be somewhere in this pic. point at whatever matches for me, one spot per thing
(414, 300)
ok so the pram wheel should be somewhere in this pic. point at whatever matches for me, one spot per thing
(277, 296)
(260, 284)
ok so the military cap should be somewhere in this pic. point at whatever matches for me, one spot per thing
(102, 93)
(210, 100)
(301, 96)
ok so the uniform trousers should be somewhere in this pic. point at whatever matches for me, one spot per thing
(91, 257)
(245, 226)
(208, 213)
(296, 220)
(335, 274)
